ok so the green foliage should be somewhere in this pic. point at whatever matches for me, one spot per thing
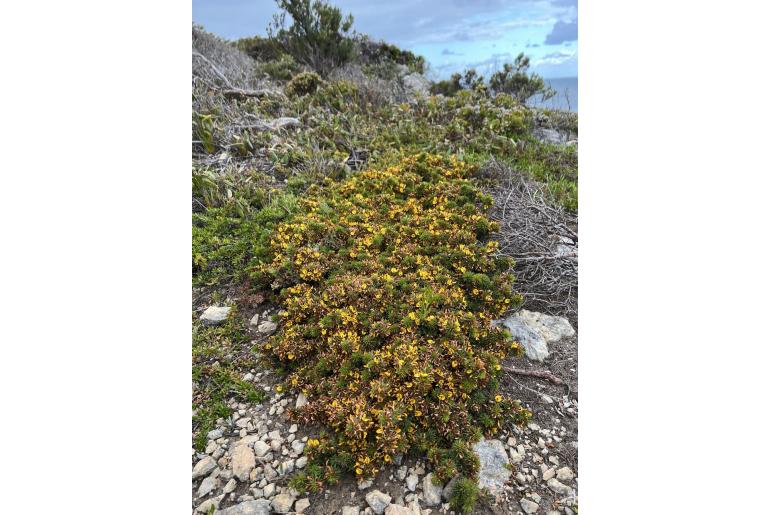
(283, 68)
(470, 80)
(204, 127)
(514, 80)
(226, 246)
(380, 52)
(318, 35)
(213, 381)
(381, 329)
(303, 84)
(261, 49)
(464, 495)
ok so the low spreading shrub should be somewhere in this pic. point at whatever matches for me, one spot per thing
(464, 495)
(389, 288)
(303, 84)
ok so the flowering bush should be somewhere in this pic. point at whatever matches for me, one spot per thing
(389, 289)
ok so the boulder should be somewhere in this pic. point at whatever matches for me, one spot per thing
(378, 501)
(493, 473)
(534, 331)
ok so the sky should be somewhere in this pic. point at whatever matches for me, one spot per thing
(452, 34)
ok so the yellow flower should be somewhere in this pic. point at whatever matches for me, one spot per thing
(498, 398)
(279, 388)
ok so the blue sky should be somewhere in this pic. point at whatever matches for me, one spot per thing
(451, 34)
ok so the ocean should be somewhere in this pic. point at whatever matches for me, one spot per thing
(566, 95)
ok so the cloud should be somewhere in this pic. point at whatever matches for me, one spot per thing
(561, 32)
(446, 51)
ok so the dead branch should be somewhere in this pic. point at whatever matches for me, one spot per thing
(214, 68)
(246, 93)
(542, 374)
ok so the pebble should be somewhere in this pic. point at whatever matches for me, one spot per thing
(350, 510)
(378, 501)
(529, 506)
(411, 482)
(301, 462)
(282, 503)
(565, 474)
(243, 462)
(301, 505)
(203, 467)
(431, 492)
(215, 315)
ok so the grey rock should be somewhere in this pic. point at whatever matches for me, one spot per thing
(411, 482)
(214, 434)
(431, 492)
(204, 467)
(550, 136)
(287, 467)
(257, 507)
(267, 327)
(207, 485)
(302, 505)
(565, 474)
(282, 503)
(529, 506)
(270, 472)
(297, 446)
(395, 509)
(364, 484)
(548, 474)
(261, 448)
(254, 322)
(243, 462)
(230, 486)
(269, 490)
(493, 473)
(559, 488)
(378, 501)
(215, 315)
(449, 488)
(401, 473)
(301, 400)
(206, 505)
(534, 331)
(350, 510)
(301, 462)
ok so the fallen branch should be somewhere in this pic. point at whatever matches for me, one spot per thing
(542, 374)
(216, 70)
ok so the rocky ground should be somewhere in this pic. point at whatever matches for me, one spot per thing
(250, 456)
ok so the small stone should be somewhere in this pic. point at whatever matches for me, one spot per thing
(207, 485)
(297, 446)
(559, 488)
(378, 501)
(511, 441)
(214, 434)
(230, 486)
(204, 467)
(411, 482)
(293, 428)
(301, 462)
(364, 484)
(301, 400)
(215, 315)
(401, 473)
(282, 503)
(254, 322)
(248, 507)
(211, 447)
(243, 462)
(431, 492)
(269, 490)
(565, 474)
(302, 505)
(449, 488)
(287, 467)
(205, 506)
(548, 474)
(260, 449)
(529, 506)
(267, 327)
(395, 509)
(350, 510)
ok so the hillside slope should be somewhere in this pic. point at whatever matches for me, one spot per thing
(280, 153)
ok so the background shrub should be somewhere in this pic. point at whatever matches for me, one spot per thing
(303, 84)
